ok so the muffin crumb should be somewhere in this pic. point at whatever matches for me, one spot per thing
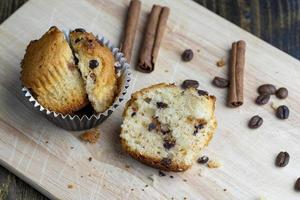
(214, 164)
(90, 136)
(220, 63)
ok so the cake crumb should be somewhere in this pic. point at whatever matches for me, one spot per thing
(184, 180)
(81, 176)
(132, 189)
(46, 142)
(224, 189)
(220, 63)
(91, 135)
(213, 164)
(72, 147)
(90, 159)
(70, 186)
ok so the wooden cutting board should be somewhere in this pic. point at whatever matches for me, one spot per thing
(50, 158)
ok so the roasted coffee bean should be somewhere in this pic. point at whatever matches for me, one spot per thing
(282, 93)
(93, 64)
(297, 185)
(266, 89)
(255, 122)
(169, 142)
(202, 93)
(151, 126)
(166, 161)
(220, 82)
(282, 112)
(160, 173)
(262, 99)
(187, 55)
(79, 30)
(203, 160)
(161, 105)
(190, 84)
(282, 159)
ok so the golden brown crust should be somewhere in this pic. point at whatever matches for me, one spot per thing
(87, 48)
(49, 71)
(156, 162)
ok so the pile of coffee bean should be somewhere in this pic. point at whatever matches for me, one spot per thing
(265, 91)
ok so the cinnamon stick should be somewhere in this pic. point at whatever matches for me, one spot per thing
(236, 74)
(130, 28)
(154, 32)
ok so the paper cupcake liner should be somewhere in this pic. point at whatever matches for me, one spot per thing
(75, 122)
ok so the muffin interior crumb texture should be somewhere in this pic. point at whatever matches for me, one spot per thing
(167, 126)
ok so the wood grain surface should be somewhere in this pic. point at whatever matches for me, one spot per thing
(281, 30)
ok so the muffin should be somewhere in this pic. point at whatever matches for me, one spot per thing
(50, 73)
(96, 64)
(166, 127)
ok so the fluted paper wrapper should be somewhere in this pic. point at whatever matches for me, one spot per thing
(75, 122)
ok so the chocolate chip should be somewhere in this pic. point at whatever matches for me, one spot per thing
(255, 122)
(77, 40)
(187, 55)
(282, 93)
(93, 64)
(81, 30)
(197, 128)
(151, 126)
(282, 112)
(190, 84)
(166, 161)
(169, 141)
(147, 99)
(266, 89)
(262, 99)
(160, 173)
(282, 159)
(133, 114)
(297, 185)
(220, 82)
(161, 105)
(203, 160)
(202, 93)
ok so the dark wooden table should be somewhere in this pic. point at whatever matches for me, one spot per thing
(275, 21)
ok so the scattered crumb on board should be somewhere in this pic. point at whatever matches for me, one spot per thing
(214, 164)
(91, 135)
(220, 63)
(70, 186)
(90, 159)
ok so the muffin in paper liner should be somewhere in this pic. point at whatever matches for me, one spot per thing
(76, 122)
